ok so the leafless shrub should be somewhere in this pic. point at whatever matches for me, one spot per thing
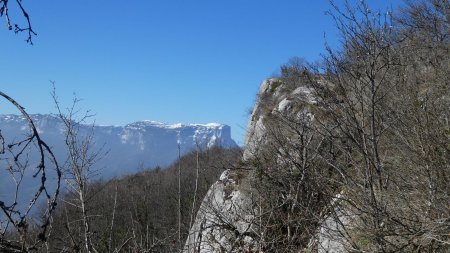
(18, 231)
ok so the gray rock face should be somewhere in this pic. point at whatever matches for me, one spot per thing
(274, 96)
(224, 221)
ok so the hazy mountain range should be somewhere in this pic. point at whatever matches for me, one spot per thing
(128, 148)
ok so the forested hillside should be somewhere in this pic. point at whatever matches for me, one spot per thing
(347, 155)
(140, 213)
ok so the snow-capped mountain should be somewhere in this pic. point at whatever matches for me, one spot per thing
(128, 148)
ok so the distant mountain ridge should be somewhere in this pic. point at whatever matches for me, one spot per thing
(138, 145)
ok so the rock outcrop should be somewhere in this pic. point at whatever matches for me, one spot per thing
(225, 220)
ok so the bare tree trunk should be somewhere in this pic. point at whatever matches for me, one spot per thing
(87, 228)
(179, 199)
(112, 220)
(197, 170)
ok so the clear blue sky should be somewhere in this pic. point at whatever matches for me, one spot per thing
(172, 61)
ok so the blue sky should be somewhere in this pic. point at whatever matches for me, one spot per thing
(171, 61)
